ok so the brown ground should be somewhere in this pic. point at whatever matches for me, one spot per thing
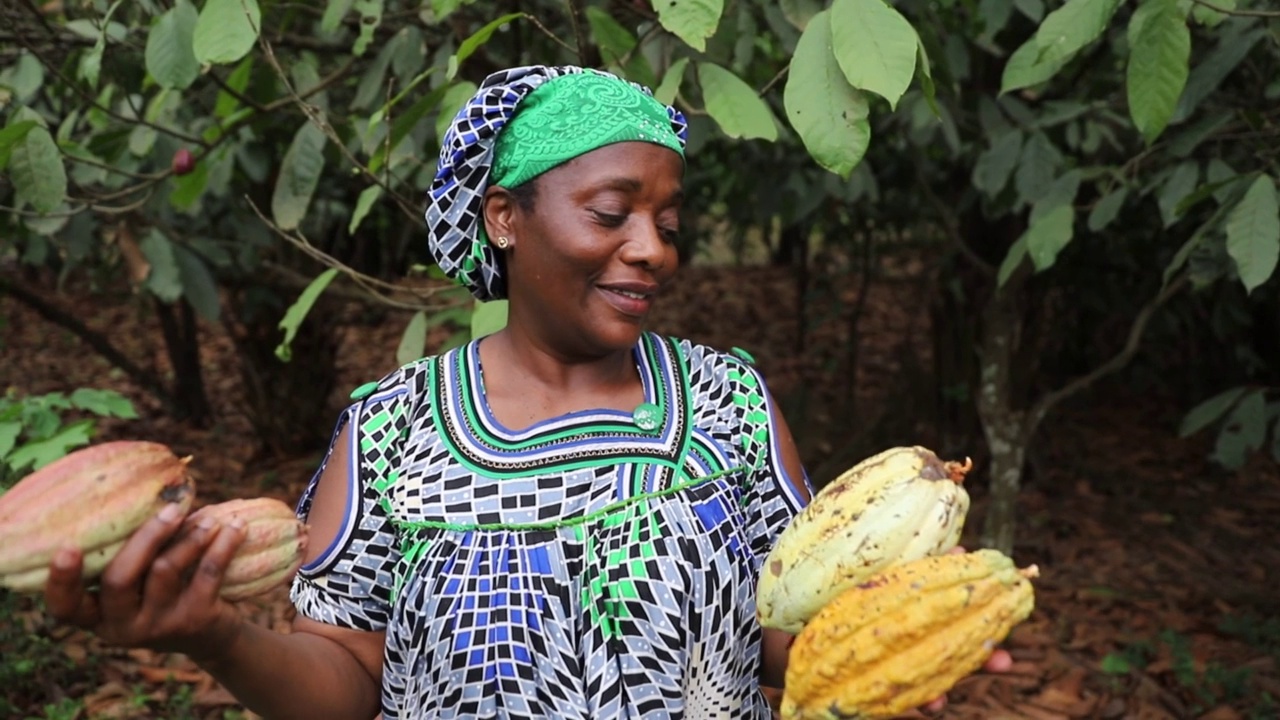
(1146, 551)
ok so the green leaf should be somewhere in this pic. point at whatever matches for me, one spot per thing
(1253, 233)
(1208, 412)
(1158, 65)
(1012, 259)
(1049, 234)
(169, 55)
(364, 203)
(1067, 30)
(995, 164)
(1033, 9)
(11, 137)
(734, 106)
(614, 40)
(829, 115)
(1209, 16)
(800, 12)
(1181, 183)
(1213, 69)
(299, 174)
(198, 285)
(226, 31)
(1023, 70)
(41, 453)
(107, 403)
(1244, 431)
(666, 92)
(405, 123)
(1107, 208)
(693, 21)
(875, 46)
(188, 188)
(297, 312)
(414, 340)
(39, 177)
(475, 41)
(1116, 664)
(1062, 191)
(165, 278)
(8, 438)
(334, 11)
(1036, 167)
(370, 17)
(488, 317)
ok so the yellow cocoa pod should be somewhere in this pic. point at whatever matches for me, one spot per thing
(900, 505)
(273, 548)
(905, 636)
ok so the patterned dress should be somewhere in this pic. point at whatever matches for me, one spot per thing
(591, 566)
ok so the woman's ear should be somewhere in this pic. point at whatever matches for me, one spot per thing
(499, 212)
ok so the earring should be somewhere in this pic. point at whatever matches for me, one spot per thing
(502, 242)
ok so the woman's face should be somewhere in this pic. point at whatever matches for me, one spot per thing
(588, 259)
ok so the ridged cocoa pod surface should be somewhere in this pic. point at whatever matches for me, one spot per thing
(905, 636)
(93, 499)
(273, 548)
(900, 505)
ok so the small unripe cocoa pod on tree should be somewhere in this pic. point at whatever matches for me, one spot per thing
(92, 499)
(183, 162)
(273, 548)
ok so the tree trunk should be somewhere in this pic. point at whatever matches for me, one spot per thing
(1003, 423)
(181, 339)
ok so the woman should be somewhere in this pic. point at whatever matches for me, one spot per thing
(563, 519)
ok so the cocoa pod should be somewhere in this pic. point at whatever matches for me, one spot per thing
(273, 548)
(92, 499)
(905, 636)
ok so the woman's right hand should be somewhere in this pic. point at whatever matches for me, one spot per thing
(155, 593)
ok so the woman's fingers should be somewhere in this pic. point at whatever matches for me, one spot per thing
(1000, 661)
(212, 567)
(64, 595)
(122, 580)
(172, 569)
(936, 705)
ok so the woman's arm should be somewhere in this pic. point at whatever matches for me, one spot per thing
(164, 595)
(776, 644)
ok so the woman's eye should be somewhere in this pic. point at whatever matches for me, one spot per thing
(608, 219)
(670, 234)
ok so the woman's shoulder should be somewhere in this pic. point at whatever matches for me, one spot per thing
(709, 366)
(407, 383)
(709, 358)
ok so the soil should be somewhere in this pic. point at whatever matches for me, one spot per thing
(1157, 589)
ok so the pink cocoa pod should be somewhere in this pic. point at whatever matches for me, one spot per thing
(273, 548)
(92, 499)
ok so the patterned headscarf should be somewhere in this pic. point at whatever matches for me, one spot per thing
(577, 110)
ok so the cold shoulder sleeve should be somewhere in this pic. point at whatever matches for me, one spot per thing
(350, 583)
(770, 494)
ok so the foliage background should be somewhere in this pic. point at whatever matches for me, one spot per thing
(1045, 201)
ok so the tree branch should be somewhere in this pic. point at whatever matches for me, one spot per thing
(1117, 361)
(950, 223)
(146, 380)
(1241, 13)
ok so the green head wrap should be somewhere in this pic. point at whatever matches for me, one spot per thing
(572, 115)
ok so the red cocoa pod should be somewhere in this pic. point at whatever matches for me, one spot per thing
(273, 548)
(92, 499)
(183, 162)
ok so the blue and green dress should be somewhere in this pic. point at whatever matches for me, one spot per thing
(596, 565)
